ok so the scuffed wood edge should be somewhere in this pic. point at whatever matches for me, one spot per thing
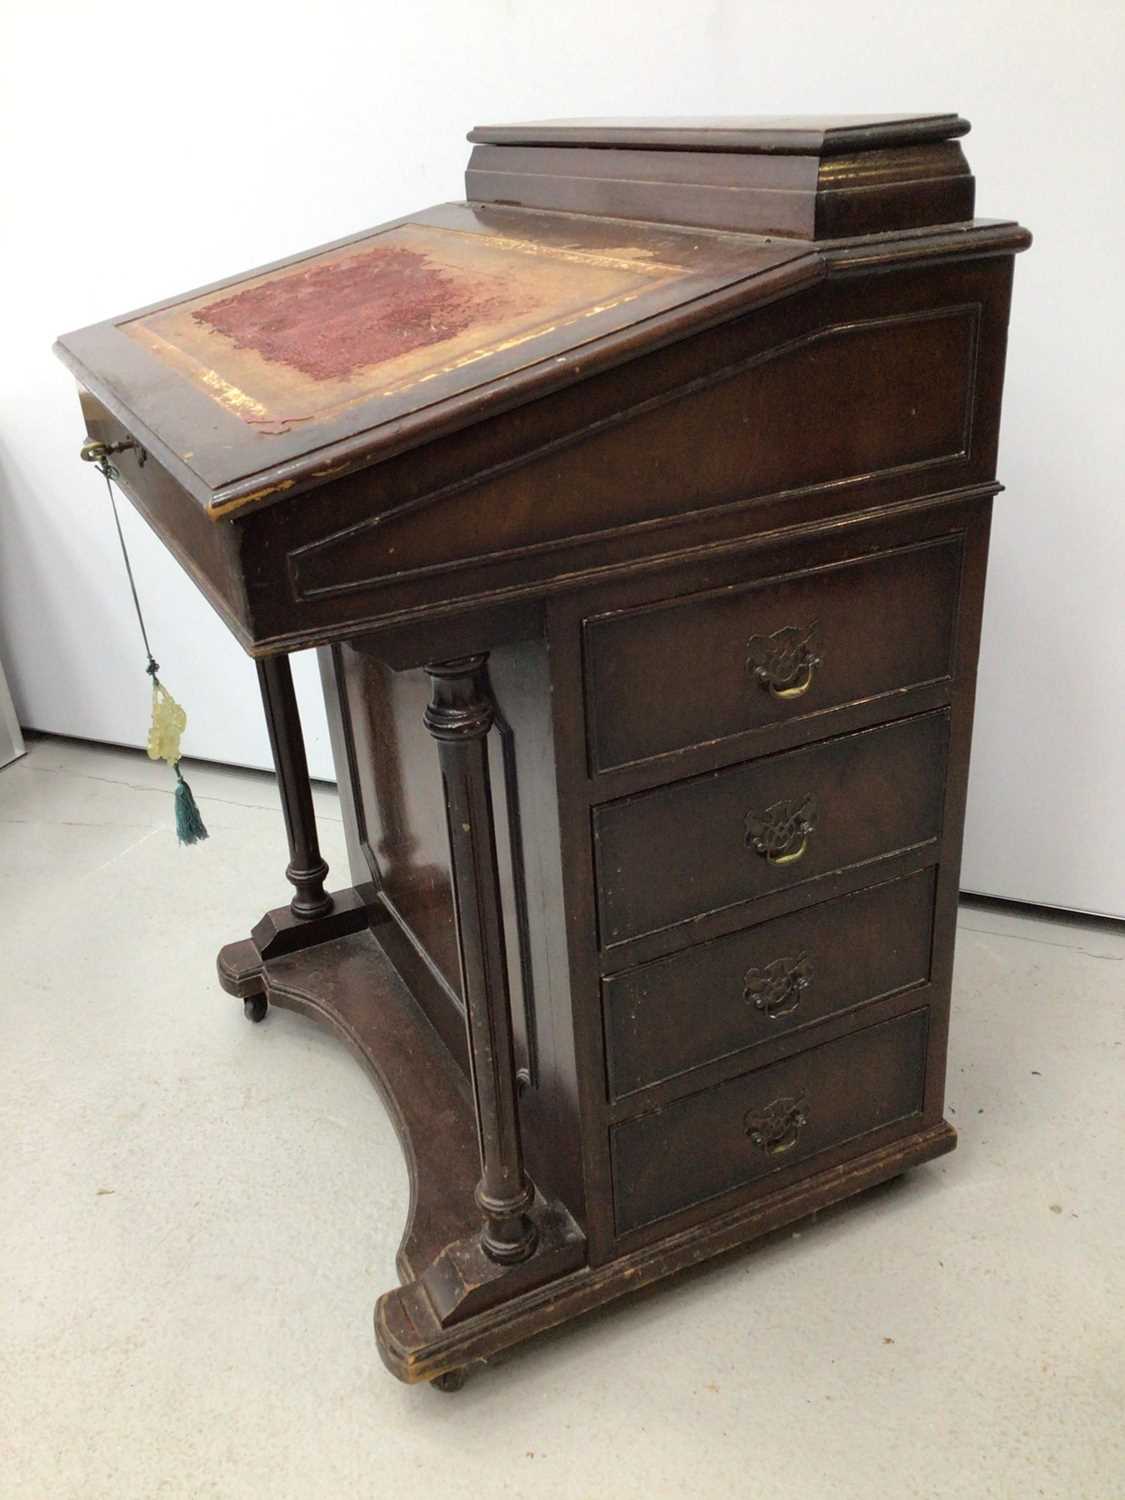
(414, 1348)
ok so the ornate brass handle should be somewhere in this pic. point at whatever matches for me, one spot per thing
(776, 1128)
(776, 988)
(780, 834)
(785, 661)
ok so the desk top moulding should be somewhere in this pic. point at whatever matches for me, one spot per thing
(499, 460)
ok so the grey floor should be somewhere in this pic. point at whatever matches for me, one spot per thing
(199, 1213)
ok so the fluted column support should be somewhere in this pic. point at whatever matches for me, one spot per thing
(459, 716)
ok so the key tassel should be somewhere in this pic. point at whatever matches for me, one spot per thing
(169, 721)
(189, 825)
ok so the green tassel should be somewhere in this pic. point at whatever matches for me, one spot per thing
(189, 825)
(168, 719)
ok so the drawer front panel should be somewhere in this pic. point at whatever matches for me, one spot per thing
(691, 671)
(680, 852)
(731, 1135)
(678, 1013)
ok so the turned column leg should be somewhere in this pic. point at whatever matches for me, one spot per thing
(459, 716)
(313, 916)
(306, 870)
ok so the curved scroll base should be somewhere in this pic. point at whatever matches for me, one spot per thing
(414, 1349)
(457, 1305)
(347, 982)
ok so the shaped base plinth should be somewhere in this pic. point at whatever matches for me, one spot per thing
(457, 1305)
(348, 982)
(416, 1348)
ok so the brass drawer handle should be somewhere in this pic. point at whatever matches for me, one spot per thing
(780, 834)
(776, 988)
(785, 661)
(775, 1130)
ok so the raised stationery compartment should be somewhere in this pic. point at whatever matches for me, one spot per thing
(680, 853)
(690, 671)
(788, 176)
(665, 1018)
(731, 1135)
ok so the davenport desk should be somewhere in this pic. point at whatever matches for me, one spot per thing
(638, 508)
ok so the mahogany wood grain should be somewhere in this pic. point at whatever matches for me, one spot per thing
(740, 992)
(765, 134)
(729, 633)
(459, 716)
(413, 1349)
(641, 516)
(807, 197)
(705, 1144)
(349, 984)
(870, 796)
(307, 870)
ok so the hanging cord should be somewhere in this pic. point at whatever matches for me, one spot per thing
(111, 473)
(168, 719)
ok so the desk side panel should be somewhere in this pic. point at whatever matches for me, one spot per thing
(400, 827)
(857, 394)
(209, 552)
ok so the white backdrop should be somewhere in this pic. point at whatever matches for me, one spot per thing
(154, 148)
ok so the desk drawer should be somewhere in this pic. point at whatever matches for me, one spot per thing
(691, 671)
(675, 1014)
(730, 1136)
(678, 853)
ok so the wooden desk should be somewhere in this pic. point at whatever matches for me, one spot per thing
(639, 510)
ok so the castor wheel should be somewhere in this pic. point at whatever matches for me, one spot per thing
(451, 1380)
(254, 1007)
